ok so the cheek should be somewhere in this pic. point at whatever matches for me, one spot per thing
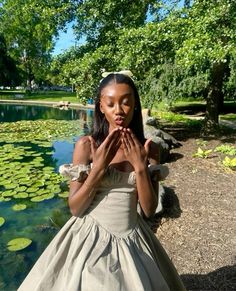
(130, 113)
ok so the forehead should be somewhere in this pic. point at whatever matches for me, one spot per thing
(117, 90)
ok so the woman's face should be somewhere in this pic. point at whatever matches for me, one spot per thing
(117, 103)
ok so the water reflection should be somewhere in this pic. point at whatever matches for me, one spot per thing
(39, 221)
(13, 112)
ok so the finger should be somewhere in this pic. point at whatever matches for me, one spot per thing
(116, 139)
(125, 147)
(117, 145)
(92, 145)
(125, 143)
(132, 138)
(147, 145)
(113, 135)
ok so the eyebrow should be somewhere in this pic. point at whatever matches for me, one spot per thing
(122, 96)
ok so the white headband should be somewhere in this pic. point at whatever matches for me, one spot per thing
(124, 72)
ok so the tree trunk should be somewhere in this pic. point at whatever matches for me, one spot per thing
(213, 99)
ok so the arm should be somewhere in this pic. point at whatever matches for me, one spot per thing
(82, 194)
(154, 159)
(137, 155)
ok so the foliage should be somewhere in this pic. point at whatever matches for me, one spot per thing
(9, 75)
(226, 149)
(18, 244)
(201, 142)
(207, 49)
(229, 163)
(202, 153)
(174, 50)
(230, 116)
(97, 20)
(24, 174)
(2, 220)
(19, 207)
(28, 28)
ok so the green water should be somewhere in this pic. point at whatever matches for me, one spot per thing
(20, 144)
(39, 222)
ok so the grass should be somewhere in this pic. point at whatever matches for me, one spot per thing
(230, 116)
(177, 119)
(55, 96)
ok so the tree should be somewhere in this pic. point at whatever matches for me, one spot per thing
(187, 51)
(117, 38)
(97, 20)
(208, 48)
(29, 27)
(9, 75)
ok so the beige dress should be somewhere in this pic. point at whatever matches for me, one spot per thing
(109, 248)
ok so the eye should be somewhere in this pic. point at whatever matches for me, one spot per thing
(110, 104)
(125, 101)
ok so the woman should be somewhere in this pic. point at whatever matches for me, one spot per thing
(106, 245)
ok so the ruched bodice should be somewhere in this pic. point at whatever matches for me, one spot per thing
(115, 203)
(109, 247)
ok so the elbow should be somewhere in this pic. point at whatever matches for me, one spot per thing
(75, 211)
(150, 210)
(149, 214)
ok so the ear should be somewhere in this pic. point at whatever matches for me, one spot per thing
(100, 106)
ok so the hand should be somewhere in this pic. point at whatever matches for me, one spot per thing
(103, 155)
(134, 151)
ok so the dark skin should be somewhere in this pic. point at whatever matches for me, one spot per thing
(121, 149)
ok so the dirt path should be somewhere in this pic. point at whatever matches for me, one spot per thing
(198, 228)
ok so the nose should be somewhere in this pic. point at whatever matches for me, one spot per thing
(118, 109)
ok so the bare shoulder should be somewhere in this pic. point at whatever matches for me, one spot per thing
(82, 151)
(154, 152)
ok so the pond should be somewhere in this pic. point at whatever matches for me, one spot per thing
(13, 112)
(33, 195)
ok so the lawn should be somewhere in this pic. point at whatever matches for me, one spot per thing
(42, 95)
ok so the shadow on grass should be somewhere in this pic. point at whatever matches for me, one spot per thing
(222, 279)
(199, 109)
(183, 131)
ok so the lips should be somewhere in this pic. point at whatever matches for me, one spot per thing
(119, 120)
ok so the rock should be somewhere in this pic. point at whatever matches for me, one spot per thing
(165, 140)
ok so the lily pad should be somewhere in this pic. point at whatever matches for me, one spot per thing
(21, 195)
(2, 221)
(48, 196)
(32, 190)
(37, 199)
(8, 193)
(64, 194)
(19, 207)
(10, 186)
(3, 199)
(21, 189)
(18, 244)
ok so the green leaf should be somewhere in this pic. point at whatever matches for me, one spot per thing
(19, 207)
(2, 221)
(18, 244)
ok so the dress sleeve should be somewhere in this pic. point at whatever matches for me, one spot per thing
(158, 171)
(75, 172)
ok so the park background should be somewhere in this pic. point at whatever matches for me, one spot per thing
(183, 57)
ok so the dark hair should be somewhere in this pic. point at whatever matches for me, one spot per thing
(100, 124)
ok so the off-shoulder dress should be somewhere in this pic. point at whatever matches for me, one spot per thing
(109, 248)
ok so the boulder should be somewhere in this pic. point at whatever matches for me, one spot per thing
(165, 140)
